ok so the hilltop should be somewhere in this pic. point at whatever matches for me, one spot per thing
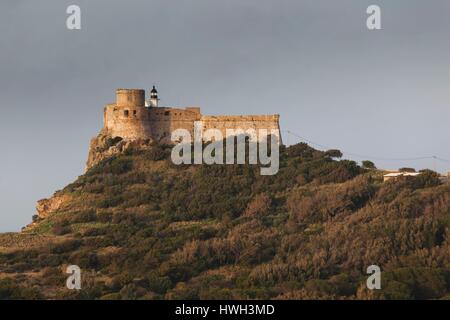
(141, 227)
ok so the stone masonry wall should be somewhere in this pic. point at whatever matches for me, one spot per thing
(245, 122)
(129, 119)
(127, 122)
(163, 121)
(157, 123)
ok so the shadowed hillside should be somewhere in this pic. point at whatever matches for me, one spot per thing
(142, 228)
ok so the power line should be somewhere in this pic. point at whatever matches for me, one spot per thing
(440, 159)
(368, 156)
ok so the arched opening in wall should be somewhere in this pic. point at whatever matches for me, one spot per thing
(134, 113)
(126, 113)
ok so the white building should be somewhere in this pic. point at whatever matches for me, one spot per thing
(394, 175)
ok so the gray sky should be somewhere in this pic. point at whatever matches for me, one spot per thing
(381, 93)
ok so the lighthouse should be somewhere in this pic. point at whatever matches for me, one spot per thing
(153, 102)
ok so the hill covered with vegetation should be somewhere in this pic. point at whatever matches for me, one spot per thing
(141, 227)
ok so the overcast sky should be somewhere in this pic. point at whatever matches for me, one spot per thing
(380, 93)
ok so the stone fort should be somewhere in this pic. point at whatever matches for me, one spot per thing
(132, 117)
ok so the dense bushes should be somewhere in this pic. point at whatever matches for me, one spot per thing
(144, 228)
(10, 290)
(308, 206)
(113, 165)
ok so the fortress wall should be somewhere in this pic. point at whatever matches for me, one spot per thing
(163, 121)
(127, 122)
(132, 121)
(135, 122)
(245, 122)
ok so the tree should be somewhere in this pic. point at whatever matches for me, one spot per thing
(407, 170)
(334, 153)
(367, 164)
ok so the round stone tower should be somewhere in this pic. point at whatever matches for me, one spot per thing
(128, 118)
(130, 97)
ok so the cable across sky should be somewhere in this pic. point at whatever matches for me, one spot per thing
(368, 157)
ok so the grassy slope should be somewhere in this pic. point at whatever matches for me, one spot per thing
(140, 227)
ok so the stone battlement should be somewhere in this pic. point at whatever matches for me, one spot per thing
(130, 118)
(242, 118)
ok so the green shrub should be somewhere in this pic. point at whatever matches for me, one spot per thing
(60, 229)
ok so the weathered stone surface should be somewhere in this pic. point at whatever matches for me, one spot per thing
(46, 206)
(129, 119)
(104, 146)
